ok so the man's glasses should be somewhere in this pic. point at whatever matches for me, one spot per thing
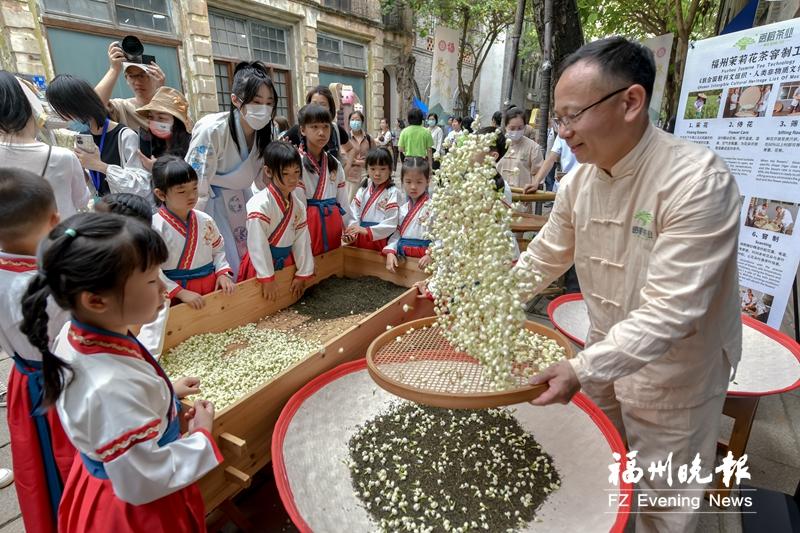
(572, 118)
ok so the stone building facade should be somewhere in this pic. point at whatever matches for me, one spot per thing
(197, 43)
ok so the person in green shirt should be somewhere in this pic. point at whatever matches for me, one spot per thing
(416, 140)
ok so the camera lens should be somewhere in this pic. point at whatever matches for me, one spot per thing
(132, 47)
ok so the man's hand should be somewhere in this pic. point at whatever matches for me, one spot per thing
(155, 72)
(561, 381)
(115, 56)
(531, 188)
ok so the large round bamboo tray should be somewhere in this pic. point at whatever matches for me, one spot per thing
(424, 368)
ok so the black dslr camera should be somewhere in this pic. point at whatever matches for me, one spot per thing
(134, 51)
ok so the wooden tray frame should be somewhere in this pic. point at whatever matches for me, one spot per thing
(244, 429)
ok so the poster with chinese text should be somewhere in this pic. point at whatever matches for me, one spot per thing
(741, 98)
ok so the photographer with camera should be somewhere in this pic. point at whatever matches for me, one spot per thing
(143, 75)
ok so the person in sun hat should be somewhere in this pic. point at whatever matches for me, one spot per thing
(168, 124)
(143, 80)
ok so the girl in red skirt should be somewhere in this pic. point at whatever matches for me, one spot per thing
(133, 472)
(323, 184)
(376, 204)
(196, 263)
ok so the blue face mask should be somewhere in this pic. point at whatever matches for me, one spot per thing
(78, 126)
(355, 125)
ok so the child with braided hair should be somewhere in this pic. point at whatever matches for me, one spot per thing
(134, 471)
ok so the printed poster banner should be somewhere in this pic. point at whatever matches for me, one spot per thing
(444, 74)
(741, 97)
(661, 47)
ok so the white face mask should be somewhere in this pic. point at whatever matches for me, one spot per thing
(258, 115)
(514, 135)
(162, 130)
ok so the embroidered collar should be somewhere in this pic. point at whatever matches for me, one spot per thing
(276, 193)
(89, 340)
(175, 221)
(17, 263)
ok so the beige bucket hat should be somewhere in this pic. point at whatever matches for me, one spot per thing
(171, 101)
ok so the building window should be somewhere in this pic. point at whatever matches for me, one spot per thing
(235, 39)
(223, 82)
(269, 43)
(342, 54)
(228, 36)
(150, 14)
(146, 14)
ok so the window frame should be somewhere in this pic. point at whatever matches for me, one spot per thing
(59, 18)
(341, 65)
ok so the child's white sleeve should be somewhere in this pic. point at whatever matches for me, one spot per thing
(221, 266)
(391, 246)
(301, 249)
(131, 177)
(386, 227)
(259, 227)
(341, 198)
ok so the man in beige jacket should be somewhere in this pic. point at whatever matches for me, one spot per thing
(651, 222)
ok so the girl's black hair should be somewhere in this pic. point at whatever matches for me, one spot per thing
(379, 157)
(127, 205)
(170, 171)
(417, 164)
(15, 109)
(435, 116)
(497, 118)
(324, 91)
(316, 114)
(248, 77)
(177, 144)
(279, 156)
(91, 252)
(499, 146)
(74, 98)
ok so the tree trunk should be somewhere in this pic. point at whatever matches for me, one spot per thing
(406, 86)
(567, 32)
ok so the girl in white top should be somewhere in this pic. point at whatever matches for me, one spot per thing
(277, 231)
(411, 237)
(19, 148)
(227, 152)
(454, 134)
(113, 161)
(134, 471)
(376, 205)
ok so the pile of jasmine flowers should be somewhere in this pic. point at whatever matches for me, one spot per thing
(231, 363)
(478, 298)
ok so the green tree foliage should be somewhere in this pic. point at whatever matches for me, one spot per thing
(687, 20)
(479, 24)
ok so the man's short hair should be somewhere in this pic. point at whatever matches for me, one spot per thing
(26, 199)
(415, 116)
(618, 58)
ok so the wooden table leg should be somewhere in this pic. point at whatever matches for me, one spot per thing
(743, 410)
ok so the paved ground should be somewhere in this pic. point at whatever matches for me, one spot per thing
(773, 460)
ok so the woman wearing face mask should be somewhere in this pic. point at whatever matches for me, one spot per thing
(438, 138)
(169, 126)
(113, 159)
(524, 157)
(361, 143)
(227, 152)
